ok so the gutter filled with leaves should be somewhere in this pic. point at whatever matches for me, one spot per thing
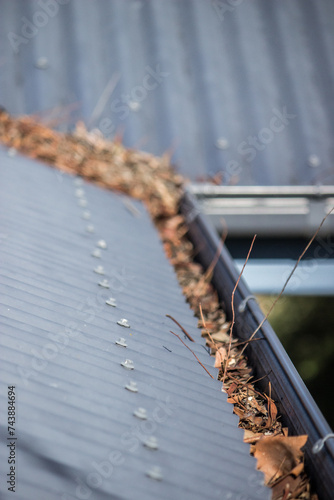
(153, 180)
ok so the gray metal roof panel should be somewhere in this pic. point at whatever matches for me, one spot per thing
(226, 71)
(72, 406)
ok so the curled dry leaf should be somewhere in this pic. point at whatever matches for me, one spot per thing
(221, 355)
(285, 487)
(272, 413)
(278, 455)
(251, 437)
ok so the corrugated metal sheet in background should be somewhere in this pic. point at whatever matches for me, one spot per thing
(222, 70)
(77, 434)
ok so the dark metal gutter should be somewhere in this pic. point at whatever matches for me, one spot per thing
(296, 405)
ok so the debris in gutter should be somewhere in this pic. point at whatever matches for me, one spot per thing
(152, 180)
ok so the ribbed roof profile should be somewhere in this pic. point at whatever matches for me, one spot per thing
(95, 418)
(242, 88)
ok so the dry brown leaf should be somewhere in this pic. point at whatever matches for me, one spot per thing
(278, 455)
(257, 405)
(255, 420)
(272, 413)
(286, 485)
(238, 412)
(251, 437)
(222, 335)
(221, 355)
(234, 399)
(232, 388)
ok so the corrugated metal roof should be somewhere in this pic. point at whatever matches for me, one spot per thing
(77, 436)
(256, 75)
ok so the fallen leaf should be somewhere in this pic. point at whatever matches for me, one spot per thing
(221, 355)
(296, 471)
(251, 437)
(232, 388)
(286, 485)
(278, 455)
(238, 412)
(272, 413)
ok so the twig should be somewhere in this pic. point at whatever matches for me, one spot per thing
(232, 306)
(204, 324)
(243, 384)
(238, 344)
(287, 281)
(178, 324)
(209, 271)
(176, 335)
(269, 400)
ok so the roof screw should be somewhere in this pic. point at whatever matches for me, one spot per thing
(104, 284)
(96, 253)
(82, 202)
(42, 63)
(140, 413)
(128, 364)
(134, 105)
(78, 181)
(79, 193)
(99, 270)
(123, 322)
(132, 386)
(90, 228)
(11, 152)
(314, 161)
(151, 443)
(222, 143)
(155, 473)
(111, 302)
(86, 215)
(122, 342)
(102, 244)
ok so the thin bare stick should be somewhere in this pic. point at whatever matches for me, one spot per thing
(178, 324)
(238, 344)
(269, 400)
(232, 306)
(204, 324)
(250, 384)
(176, 335)
(287, 281)
(208, 273)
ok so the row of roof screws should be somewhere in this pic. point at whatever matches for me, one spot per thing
(151, 442)
(101, 244)
(100, 270)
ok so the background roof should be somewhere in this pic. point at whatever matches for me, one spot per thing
(184, 75)
(75, 417)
